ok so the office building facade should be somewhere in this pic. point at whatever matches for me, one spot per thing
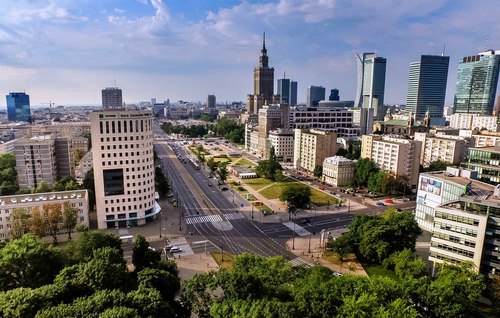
(112, 98)
(477, 81)
(283, 142)
(486, 162)
(122, 146)
(334, 95)
(474, 121)
(427, 80)
(287, 91)
(315, 94)
(334, 119)
(18, 107)
(374, 84)
(447, 148)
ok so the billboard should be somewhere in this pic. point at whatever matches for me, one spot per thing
(431, 186)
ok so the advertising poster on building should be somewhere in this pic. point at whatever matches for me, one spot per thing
(431, 186)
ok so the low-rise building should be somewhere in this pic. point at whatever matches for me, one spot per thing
(396, 155)
(28, 202)
(338, 171)
(486, 162)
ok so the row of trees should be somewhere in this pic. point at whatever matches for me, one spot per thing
(50, 219)
(271, 287)
(226, 128)
(88, 278)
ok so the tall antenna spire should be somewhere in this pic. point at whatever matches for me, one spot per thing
(284, 74)
(444, 49)
(264, 41)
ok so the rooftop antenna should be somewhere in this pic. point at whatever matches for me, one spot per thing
(486, 43)
(114, 83)
(284, 74)
(444, 49)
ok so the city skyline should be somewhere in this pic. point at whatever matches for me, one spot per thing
(66, 52)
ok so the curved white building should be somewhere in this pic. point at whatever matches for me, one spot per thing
(122, 145)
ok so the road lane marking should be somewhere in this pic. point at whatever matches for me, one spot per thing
(297, 228)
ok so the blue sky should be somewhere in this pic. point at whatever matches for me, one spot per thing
(66, 51)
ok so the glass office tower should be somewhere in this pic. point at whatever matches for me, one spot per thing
(477, 81)
(18, 107)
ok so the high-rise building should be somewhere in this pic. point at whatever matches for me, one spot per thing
(36, 161)
(122, 145)
(263, 83)
(360, 61)
(374, 84)
(211, 102)
(18, 107)
(334, 95)
(427, 87)
(315, 94)
(287, 90)
(112, 98)
(477, 81)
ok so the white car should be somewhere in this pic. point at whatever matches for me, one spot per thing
(175, 249)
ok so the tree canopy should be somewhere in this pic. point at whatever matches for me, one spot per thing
(297, 195)
(363, 169)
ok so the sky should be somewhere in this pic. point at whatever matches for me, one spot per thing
(66, 51)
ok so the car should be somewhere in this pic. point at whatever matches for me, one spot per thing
(332, 192)
(170, 195)
(168, 247)
(337, 274)
(224, 188)
(305, 221)
(209, 184)
(380, 203)
(175, 249)
(151, 248)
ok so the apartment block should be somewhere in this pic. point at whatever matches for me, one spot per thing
(312, 147)
(394, 154)
(122, 146)
(474, 122)
(36, 161)
(77, 198)
(338, 171)
(447, 148)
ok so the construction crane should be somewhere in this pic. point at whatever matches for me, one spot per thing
(50, 103)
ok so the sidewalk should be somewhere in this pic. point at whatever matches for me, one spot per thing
(309, 249)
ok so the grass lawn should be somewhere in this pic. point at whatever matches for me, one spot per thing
(221, 159)
(274, 191)
(379, 270)
(264, 209)
(331, 257)
(228, 259)
(257, 183)
(244, 162)
(320, 198)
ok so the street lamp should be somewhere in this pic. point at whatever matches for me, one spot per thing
(252, 209)
(160, 214)
(293, 236)
(309, 249)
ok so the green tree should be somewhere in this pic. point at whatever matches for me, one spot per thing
(142, 255)
(298, 195)
(166, 283)
(69, 217)
(8, 174)
(20, 222)
(82, 248)
(363, 169)
(341, 245)
(437, 165)
(28, 262)
(222, 172)
(318, 171)
(406, 264)
(212, 165)
(161, 181)
(88, 183)
(42, 187)
(267, 168)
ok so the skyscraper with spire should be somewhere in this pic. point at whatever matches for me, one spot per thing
(263, 83)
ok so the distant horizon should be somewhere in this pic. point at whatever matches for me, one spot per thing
(66, 52)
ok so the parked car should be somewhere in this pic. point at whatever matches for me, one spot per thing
(224, 188)
(380, 203)
(209, 184)
(305, 221)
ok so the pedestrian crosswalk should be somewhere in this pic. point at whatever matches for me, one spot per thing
(297, 228)
(234, 216)
(300, 262)
(203, 219)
